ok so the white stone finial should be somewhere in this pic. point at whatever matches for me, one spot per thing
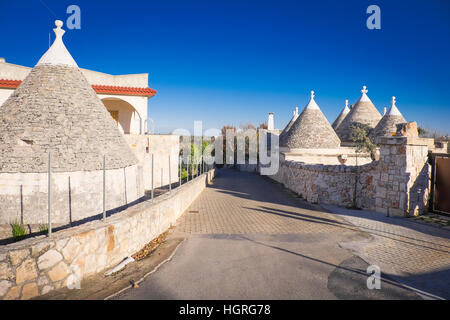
(312, 104)
(393, 110)
(364, 97)
(384, 111)
(58, 54)
(58, 31)
(346, 108)
(295, 112)
(364, 90)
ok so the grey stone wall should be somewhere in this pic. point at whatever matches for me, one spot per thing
(397, 184)
(39, 265)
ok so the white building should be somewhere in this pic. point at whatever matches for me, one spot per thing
(125, 96)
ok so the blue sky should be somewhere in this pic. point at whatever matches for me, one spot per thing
(232, 62)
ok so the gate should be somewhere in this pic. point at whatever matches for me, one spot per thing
(440, 183)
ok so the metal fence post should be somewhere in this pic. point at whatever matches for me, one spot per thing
(179, 168)
(49, 191)
(152, 176)
(104, 188)
(170, 177)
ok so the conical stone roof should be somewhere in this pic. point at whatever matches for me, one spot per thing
(289, 125)
(55, 110)
(388, 124)
(363, 113)
(341, 116)
(311, 130)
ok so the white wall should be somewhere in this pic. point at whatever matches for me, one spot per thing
(4, 94)
(132, 112)
(161, 146)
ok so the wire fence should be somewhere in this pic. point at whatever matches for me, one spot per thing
(188, 170)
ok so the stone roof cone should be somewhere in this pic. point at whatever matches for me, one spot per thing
(388, 124)
(341, 116)
(310, 130)
(56, 110)
(364, 112)
(289, 125)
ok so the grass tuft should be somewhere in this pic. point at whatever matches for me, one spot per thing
(18, 230)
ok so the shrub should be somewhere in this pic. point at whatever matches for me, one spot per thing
(183, 174)
(18, 230)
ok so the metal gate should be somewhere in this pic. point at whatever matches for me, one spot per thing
(440, 183)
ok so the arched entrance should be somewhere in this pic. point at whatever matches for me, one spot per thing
(126, 116)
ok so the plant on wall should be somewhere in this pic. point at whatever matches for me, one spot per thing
(363, 144)
(18, 231)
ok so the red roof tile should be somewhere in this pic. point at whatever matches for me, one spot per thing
(124, 90)
(129, 91)
(9, 83)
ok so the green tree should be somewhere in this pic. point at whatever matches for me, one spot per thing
(363, 143)
(422, 131)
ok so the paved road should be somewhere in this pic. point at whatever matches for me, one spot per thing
(414, 253)
(248, 238)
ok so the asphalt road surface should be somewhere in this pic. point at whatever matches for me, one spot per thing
(248, 238)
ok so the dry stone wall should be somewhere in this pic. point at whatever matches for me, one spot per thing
(39, 265)
(397, 184)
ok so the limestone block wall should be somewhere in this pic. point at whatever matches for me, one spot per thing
(397, 184)
(38, 265)
(329, 184)
(327, 156)
(161, 146)
(75, 195)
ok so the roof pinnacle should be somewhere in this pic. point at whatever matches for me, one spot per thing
(393, 110)
(312, 104)
(58, 31)
(364, 90)
(58, 54)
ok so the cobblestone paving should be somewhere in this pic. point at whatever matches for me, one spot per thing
(240, 203)
(408, 246)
